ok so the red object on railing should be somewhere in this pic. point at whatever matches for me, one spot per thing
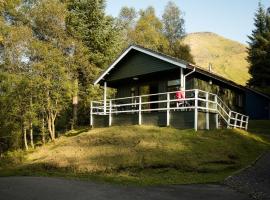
(180, 94)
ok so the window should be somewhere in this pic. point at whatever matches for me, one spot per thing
(173, 85)
(174, 82)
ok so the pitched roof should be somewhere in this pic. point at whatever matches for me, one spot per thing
(177, 62)
(161, 56)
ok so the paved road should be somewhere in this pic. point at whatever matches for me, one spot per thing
(254, 180)
(43, 188)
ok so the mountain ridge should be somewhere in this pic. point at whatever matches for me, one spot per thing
(228, 57)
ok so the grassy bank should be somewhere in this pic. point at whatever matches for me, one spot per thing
(141, 154)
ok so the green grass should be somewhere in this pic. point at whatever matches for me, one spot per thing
(143, 155)
(260, 127)
(228, 57)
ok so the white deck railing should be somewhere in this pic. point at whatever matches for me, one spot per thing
(195, 99)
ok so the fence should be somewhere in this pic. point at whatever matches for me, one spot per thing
(194, 99)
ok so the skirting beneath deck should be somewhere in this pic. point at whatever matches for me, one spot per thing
(178, 119)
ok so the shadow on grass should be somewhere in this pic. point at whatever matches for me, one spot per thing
(77, 131)
(132, 176)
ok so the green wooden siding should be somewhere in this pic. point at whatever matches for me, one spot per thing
(135, 64)
(178, 119)
(228, 95)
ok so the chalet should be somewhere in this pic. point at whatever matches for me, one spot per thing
(148, 84)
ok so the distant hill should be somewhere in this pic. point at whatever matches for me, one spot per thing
(228, 57)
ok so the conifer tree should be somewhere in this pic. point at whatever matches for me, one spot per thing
(259, 51)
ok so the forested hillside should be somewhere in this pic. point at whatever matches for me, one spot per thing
(52, 50)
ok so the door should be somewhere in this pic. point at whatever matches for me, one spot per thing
(153, 90)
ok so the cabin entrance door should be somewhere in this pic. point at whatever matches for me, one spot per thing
(153, 90)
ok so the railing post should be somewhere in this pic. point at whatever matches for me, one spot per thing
(246, 127)
(140, 110)
(110, 113)
(168, 110)
(105, 98)
(207, 111)
(229, 120)
(196, 111)
(241, 123)
(91, 114)
(216, 115)
(235, 120)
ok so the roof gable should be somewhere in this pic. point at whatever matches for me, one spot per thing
(155, 57)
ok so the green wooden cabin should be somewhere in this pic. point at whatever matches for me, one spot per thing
(140, 71)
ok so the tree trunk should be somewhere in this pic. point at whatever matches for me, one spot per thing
(31, 135)
(51, 126)
(43, 130)
(25, 138)
(75, 105)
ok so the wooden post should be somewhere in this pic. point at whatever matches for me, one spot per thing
(229, 120)
(196, 111)
(207, 111)
(140, 110)
(247, 122)
(241, 123)
(168, 110)
(91, 114)
(216, 115)
(235, 120)
(105, 98)
(110, 113)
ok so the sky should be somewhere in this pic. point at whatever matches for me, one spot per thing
(232, 19)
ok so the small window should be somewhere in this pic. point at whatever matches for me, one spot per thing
(174, 82)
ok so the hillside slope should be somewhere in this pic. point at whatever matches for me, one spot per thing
(142, 155)
(228, 57)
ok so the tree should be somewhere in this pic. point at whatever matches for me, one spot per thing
(259, 51)
(174, 31)
(126, 22)
(87, 22)
(173, 23)
(148, 31)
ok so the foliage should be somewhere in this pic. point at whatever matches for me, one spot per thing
(44, 63)
(258, 52)
(87, 21)
(165, 36)
(148, 31)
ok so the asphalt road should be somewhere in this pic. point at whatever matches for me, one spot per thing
(43, 188)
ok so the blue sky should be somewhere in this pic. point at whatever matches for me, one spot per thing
(230, 18)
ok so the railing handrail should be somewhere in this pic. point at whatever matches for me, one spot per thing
(221, 108)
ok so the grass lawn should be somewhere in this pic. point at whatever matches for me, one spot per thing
(143, 155)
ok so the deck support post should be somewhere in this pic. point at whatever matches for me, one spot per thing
(246, 127)
(168, 110)
(229, 120)
(110, 113)
(235, 120)
(207, 111)
(105, 97)
(91, 114)
(216, 115)
(241, 123)
(140, 110)
(196, 110)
